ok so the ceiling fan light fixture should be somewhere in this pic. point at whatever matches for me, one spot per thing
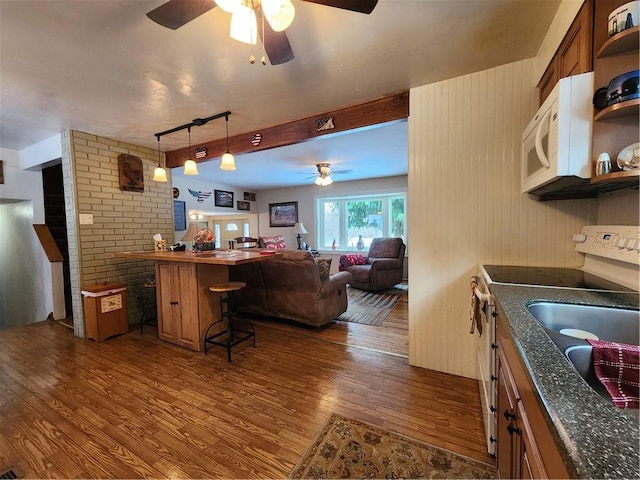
(244, 27)
(323, 181)
(279, 13)
(229, 6)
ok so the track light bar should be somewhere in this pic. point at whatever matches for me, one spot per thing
(196, 122)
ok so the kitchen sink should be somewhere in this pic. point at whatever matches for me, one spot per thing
(568, 324)
(607, 323)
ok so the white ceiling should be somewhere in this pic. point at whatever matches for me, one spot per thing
(102, 67)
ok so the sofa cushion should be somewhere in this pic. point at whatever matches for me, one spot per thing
(274, 242)
(349, 259)
(324, 267)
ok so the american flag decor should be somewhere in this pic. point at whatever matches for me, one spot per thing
(201, 152)
(256, 139)
(201, 196)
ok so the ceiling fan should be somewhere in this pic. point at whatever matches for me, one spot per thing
(324, 173)
(278, 13)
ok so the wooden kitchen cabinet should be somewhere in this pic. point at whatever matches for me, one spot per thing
(525, 446)
(575, 53)
(177, 301)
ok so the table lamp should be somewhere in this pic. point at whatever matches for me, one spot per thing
(300, 230)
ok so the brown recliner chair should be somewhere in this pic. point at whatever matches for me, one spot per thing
(383, 265)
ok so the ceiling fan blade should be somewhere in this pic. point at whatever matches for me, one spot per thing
(362, 6)
(276, 44)
(175, 13)
(341, 171)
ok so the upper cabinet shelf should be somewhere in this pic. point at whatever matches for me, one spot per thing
(625, 41)
(622, 109)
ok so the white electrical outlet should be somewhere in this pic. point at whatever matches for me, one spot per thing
(86, 218)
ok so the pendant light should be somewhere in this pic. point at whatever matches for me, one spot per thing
(159, 174)
(228, 162)
(190, 167)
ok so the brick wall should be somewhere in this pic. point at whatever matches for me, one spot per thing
(122, 220)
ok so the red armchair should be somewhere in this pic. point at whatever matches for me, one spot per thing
(382, 267)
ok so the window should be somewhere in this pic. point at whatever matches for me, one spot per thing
(344, 220)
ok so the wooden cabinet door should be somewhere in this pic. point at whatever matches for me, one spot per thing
(575, 52)
(530, 461)
(164, 302)
(548, 80)
(508, 444)
(186, 310)
(177, 302)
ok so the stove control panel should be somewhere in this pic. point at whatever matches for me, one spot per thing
(615, 242)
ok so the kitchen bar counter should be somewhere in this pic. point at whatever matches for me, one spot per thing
(595, 438)
(185, 305)
(211, 257)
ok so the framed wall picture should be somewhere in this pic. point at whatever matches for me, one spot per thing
(241, 205)
(130, 173)
(179, 215)
(283, 214)
(250, 196)
(222, 198)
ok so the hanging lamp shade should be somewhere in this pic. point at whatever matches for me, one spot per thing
(228, 162)
(279, 13)
(159, 174)
(244, 27)
(190, 167)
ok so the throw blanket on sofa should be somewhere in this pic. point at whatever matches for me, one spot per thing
(617, 366)
(351, 259)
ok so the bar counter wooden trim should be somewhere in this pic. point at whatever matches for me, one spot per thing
(212, 257)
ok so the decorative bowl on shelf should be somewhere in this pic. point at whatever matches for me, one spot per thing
(629, 157)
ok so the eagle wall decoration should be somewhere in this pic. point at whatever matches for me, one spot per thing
(201, 196)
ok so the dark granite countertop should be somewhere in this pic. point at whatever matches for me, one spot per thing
(596, 439)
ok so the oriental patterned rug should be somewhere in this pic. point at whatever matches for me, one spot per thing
(346, 448)
(371, 308)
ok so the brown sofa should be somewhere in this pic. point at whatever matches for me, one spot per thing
(288, 286)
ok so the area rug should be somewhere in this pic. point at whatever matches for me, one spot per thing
(346, 448)
(371, 308)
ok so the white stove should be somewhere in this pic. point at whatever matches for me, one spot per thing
(611, 264)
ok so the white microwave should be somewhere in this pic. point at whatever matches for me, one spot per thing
(556, 145)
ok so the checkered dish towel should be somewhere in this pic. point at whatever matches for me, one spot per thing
(617, 366)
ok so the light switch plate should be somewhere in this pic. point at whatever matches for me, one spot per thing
(86, 218)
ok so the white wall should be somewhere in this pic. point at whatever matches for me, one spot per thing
(207, 207)
(306, 197)
(465, 205)
(25, 272)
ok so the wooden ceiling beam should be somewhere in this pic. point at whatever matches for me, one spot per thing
(387, 109)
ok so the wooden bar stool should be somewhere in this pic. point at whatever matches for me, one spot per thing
(231, 316)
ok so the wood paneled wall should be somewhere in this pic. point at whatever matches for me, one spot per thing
(466, 209)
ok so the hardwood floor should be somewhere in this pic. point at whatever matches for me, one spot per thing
(135, 406)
